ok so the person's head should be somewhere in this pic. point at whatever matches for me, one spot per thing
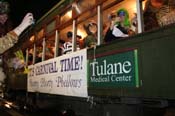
(92, 27)
(114, 18)
(69, 34)
(124, 16)
(157, 3)
(4, 10)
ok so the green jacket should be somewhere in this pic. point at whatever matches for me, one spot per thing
(90, 41)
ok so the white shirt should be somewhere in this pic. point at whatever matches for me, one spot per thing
(67, 47)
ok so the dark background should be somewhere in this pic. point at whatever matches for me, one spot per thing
(18, 9)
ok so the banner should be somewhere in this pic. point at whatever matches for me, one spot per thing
(115, 70)
(64, 75)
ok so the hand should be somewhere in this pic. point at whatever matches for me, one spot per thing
(27, 21)
(117, 19)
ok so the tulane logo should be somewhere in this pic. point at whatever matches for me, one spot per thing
(116, 70)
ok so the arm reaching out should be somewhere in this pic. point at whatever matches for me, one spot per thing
(27, 21)
(11, 38)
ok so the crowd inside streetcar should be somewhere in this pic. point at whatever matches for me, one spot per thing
(119, 20)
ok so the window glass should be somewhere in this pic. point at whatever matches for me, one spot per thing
(87, 30)
(30, 55)
(63, 33)
(51, 26)
(40, 34)
(39, 52)
(65, 45)
(50, 46)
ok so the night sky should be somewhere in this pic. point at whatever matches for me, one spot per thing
(20, 7)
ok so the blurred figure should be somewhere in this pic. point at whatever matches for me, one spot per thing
(60, 47)
(11, 37)
(134, 24)
(67, 46)
(5, 23)
(158, 13)
(8, 40)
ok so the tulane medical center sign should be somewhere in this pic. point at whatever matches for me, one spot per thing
(115, 70)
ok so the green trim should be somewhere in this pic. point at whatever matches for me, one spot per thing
(136, 68)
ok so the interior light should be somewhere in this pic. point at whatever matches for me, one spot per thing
(69, 14)
(32, 38)
(81, 33)
(7, 106)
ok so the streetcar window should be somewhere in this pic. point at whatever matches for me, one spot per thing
(29, 45)
(81, 31)
(50, 45)
(119, 19)
(63, 33)
(51, 26)
(64, 38)
(39, 50)
(40, 34)
(30, 56)
(86, 23)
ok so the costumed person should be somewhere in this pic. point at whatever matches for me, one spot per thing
(119, 25)
(5, 22)
(166, 13)
(158, 13)
(11, 37)
(91, 39)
